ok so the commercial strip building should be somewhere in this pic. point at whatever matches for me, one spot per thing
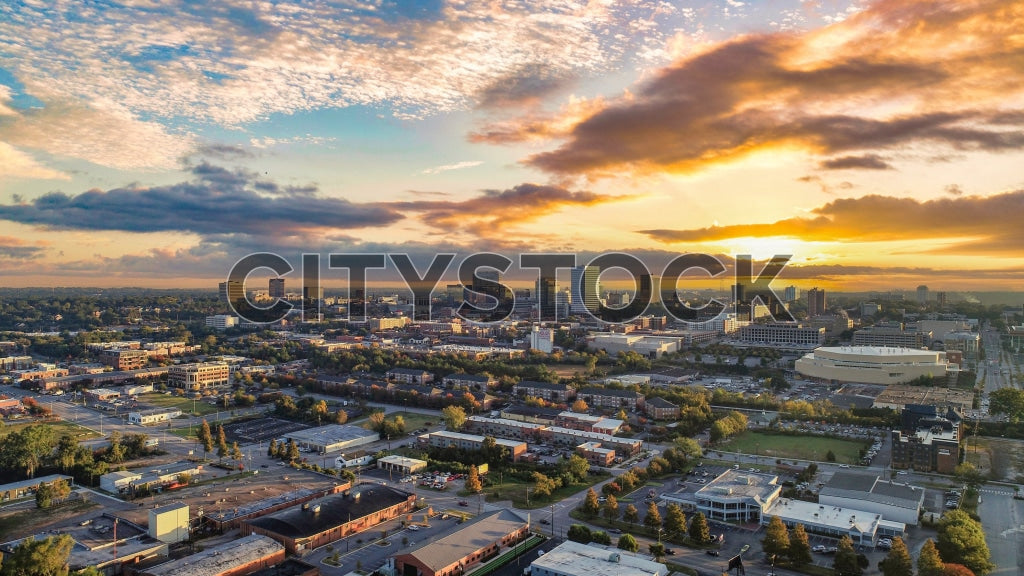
(320, 522)
(871, 365)
(447, 439)
(236, 558)
(401, 465)
(331, 438)
(574, 559)
(199, 375)
(457, 552)
(24, 488)
(864, 528)
(153, 416)
(505, 428)
(121, 481)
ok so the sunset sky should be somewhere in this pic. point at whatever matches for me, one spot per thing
(154, 143)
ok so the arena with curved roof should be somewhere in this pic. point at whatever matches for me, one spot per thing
(872, 364)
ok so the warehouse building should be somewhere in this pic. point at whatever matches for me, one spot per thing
(459, 551)
(236, 558)
(574, 559)
(331, 438)
(319, 522)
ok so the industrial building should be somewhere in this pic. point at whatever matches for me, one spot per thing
(170, 523)
(574, 559)
(236, 558)
(320, 522)
(894, 501)
(460, 550)
(331, 438)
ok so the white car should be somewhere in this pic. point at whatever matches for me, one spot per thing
(413, 527)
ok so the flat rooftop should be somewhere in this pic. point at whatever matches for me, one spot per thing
(834, 517)
(575, 558)
(467, 538)
(219, 559)
(869, 487)
(737, 484)
(332, 434)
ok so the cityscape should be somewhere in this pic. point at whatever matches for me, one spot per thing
(441, 288)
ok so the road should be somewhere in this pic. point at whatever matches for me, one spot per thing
(1003, 519)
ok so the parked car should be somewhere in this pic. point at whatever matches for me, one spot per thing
(545, 521)
(670, 551)
(713, 553)
(820, 548)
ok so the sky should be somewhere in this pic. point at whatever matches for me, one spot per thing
(156, 143)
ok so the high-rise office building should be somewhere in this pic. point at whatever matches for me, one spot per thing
(232, 291)
(922, 294)
(586, 289)
(547, 299)
(276, 288)
(816, 302)
(791, 294)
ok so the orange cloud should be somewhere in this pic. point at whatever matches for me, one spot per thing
(493, 212)
(985, 224)
(900, 73)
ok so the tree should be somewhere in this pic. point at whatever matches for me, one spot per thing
(830, 456)
(27, 448)
(897, 562)
(657, 549)
(610, 510)
(454, 417)
(46, 557)
(590, 507)
(542, 485)
(628, 543)
(473, 484)
(377, 421)
(88, 571)
(961, 540)
(578, 467)
(578, 533)
(579, 406)
(1008, 401)
(969, 475)
(272, 448)
(292, 451)
(699, 531)
(688, 447)
(845, 563)
(67, 448)
(653, 518)
(776, 538)
(631, 514)
(956, 570)
(56, 491)
(222, 440)
(799, 552)
(236, 452)
(929, 563)
(601, 537)
(206, 437)
(675, 520)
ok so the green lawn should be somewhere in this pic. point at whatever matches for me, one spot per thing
(60, 428)
(179, 402)
(515, 490)
(413, 421)
(799, 447)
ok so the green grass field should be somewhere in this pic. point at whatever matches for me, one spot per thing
(799, 447)
(413, 421)
(179, 402)
(60, 428)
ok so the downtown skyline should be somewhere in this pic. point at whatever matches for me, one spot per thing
(154, 144)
